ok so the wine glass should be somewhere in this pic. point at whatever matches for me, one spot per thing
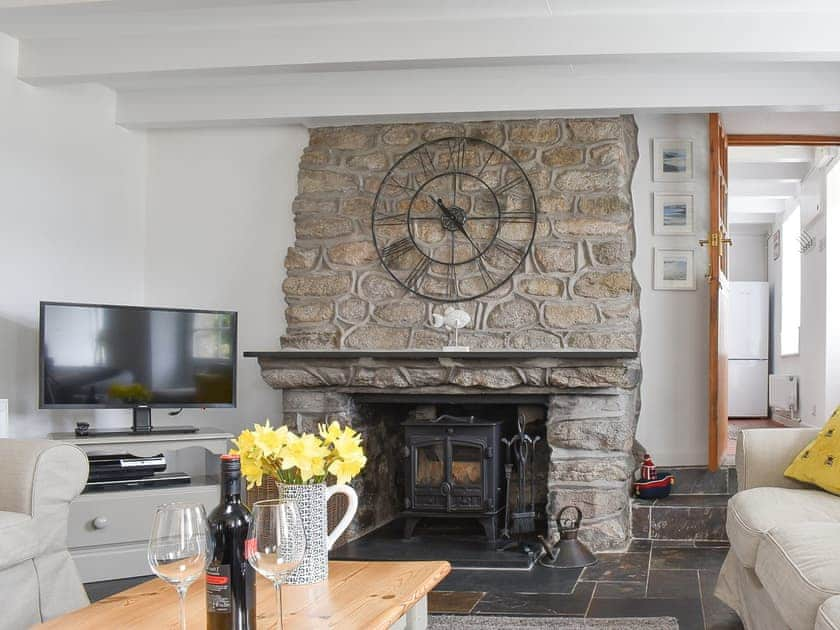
(276, 543)
(180, 547)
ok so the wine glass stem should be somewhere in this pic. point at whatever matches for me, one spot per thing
(279, 597)
(182, 607)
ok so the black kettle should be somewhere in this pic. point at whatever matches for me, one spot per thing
(568, 552)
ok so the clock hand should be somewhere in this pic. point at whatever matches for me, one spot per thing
(457, 223)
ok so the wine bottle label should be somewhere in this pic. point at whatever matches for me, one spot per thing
(218, 588)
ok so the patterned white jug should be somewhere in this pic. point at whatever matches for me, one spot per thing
(311, 500)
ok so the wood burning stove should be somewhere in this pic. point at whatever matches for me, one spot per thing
(453, 469)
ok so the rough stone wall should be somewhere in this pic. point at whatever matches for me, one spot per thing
(575, 290)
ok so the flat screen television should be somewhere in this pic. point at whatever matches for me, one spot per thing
(96, 356)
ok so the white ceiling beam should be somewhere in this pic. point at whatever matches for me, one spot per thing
(765, 155)
(780, 171)
(763, 188)
(736, 218)
(677, 38)
(348, 97)
(751, 205)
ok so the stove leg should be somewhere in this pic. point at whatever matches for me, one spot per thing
(489, 525)
(409, 525)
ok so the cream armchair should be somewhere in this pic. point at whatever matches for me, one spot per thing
(38, 579)
(782, 570)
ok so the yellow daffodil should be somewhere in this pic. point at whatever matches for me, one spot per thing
(306, 458)
(329, 433)
(270, 440)
(244, 443)
(345, 469)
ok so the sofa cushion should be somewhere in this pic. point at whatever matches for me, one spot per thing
(18, 541)
(753, 512)
(828, 616)
(818, 463)
(798, 567)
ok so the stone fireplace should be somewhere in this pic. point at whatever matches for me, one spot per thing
(558, 341)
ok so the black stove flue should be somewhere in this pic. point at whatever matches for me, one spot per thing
(453, 469)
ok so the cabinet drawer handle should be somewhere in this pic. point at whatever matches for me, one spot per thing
(100, 522)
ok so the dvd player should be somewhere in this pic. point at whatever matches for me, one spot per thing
(120, 471)
(154, 481)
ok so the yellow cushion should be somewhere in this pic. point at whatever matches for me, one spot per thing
(819, 462)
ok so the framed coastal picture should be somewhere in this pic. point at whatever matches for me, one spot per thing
(673, 270)
(673, 160)
(673, 213)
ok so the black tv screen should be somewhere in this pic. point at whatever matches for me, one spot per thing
(129, 356)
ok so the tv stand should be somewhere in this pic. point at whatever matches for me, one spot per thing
(108, 531)
(141, 425)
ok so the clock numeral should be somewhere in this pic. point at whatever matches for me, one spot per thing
(418, 273)
(451, 281)
(510, 250)
(517, 216)
(397, 249)
(457, 154)
(486, 274)
(427, 163)
(393, 181)
(509, 185)
(391, 219)
(486, 162)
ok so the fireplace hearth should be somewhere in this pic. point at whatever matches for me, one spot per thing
(584, 404)
(453, 470)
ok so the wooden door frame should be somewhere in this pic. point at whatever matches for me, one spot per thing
(781, 140)
(767, 140)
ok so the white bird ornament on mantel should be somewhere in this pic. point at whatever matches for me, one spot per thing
(453, 319)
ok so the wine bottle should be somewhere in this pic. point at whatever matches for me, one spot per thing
(231, 580)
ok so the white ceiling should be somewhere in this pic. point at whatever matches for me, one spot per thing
(766, 181)
(199, 62)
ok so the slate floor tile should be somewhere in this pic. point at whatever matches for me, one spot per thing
(700, 481)
(101, 590)
(707, 558)
(619, 590)
(640, 545)
(693, 500)
(688, 612)
(539, 605)
(537, 580)
(688, 523)
(453, 602)
(618, 567)
(673, 584)
(718, 615)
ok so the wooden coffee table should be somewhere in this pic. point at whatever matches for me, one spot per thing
(357, 595)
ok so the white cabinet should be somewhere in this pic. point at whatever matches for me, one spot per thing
(107, 532)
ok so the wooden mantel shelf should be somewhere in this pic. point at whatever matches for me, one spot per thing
(414, 355)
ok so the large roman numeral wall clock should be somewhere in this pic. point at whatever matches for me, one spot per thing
(454, 219)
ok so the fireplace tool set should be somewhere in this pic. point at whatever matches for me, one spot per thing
(520, 519)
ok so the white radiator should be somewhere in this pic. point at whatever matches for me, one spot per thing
(784, 396)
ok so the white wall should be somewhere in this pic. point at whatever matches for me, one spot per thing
(219, 221)
(789, 364)
(748, 254)
(673, 424)
(72, 199)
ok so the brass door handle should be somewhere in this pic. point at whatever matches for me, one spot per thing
(726, 241)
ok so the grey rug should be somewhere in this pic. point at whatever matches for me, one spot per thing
(488, 622)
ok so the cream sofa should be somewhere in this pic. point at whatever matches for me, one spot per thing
(783, 566)
(38, 580)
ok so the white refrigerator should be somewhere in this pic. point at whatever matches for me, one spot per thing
(748, 344)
